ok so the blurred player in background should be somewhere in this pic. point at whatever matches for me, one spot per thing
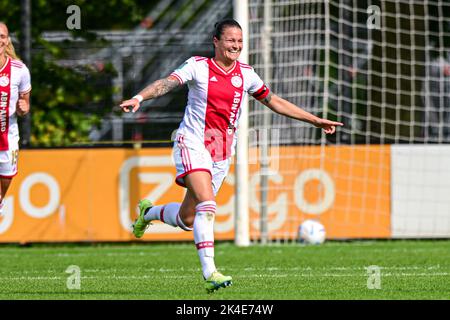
(15, 88)
(206, 138)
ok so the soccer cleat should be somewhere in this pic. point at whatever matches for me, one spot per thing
(140, 225)
(217, 280)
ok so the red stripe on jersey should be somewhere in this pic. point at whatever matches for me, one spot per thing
(246, 66)
(177, 76)
(181, 152)
(179, 179)
(186, 152)
(185, 158)
(5, 100)
(16, 64)
(221, 69)
(222, 108)
(199, 58)
(4, 66)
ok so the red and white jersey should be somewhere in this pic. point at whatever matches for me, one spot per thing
(214, 102)
(17, 79)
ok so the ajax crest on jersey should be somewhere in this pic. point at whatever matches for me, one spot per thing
(4, 81)
(236, 81)
(311, 232)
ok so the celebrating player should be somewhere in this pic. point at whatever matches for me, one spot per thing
(206, 137)
(15, 91)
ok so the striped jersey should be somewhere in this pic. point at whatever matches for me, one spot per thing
(16, 80)
(214, 102)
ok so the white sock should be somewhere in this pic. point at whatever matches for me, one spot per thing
(167, 214)
(204, 235)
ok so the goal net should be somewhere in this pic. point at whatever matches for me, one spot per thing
(380, 67)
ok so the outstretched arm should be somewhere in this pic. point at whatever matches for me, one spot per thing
(153, 90)
(284, 107)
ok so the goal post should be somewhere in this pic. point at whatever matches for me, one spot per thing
(380, 67)
(242, 231)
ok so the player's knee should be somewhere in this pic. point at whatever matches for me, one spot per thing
(203, 197)
(188, 221)
(200, 196)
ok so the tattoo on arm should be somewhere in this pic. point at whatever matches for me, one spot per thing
(159, 88)
(268, 98)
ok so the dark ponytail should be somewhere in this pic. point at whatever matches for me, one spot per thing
(220, 26)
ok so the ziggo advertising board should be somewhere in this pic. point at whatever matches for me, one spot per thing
(92, 194)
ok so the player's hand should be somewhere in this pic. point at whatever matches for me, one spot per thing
(328, 126)
(22, 106)
(130, 105)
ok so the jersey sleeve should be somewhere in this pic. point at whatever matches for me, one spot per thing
(25, 80)
(185, 72)
(257, 88)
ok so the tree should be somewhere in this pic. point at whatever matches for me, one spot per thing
(67, 101)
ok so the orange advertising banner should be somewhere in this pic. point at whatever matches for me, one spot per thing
(346, 188)
(92, 194)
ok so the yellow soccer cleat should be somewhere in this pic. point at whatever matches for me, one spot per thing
(216, 281)
(140, 225)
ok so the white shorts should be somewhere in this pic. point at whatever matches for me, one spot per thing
(8, 162)
(190, 156)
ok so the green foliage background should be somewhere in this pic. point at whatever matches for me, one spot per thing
(66, 103)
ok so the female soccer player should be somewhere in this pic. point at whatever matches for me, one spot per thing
(15, 91)
(206, 137)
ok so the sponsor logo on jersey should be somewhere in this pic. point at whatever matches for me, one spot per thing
(213, 79)
(3, 112)
(234, 110)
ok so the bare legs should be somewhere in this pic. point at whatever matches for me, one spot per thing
(199, 190)
(4, 185)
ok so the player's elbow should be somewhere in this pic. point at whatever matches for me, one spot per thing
(277, 104)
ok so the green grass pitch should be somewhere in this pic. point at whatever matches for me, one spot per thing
(409, 269)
